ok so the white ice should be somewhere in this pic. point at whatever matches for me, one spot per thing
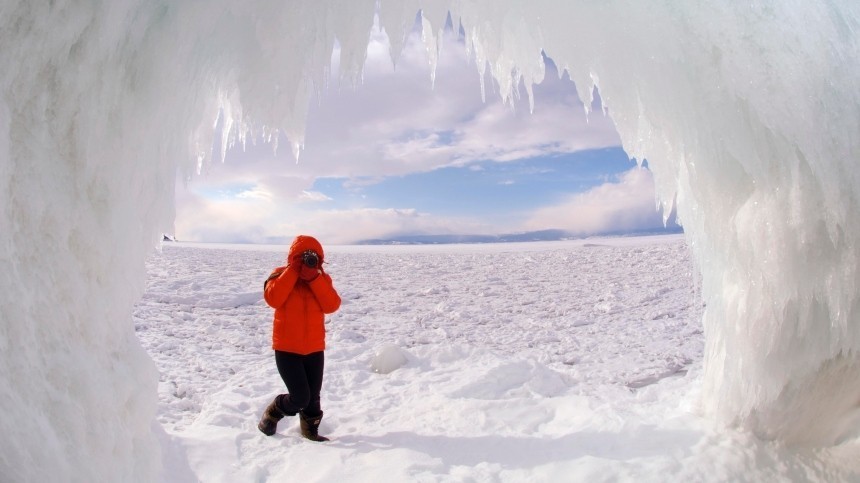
(561, 361)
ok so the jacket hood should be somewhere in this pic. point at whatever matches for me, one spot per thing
(303, 243)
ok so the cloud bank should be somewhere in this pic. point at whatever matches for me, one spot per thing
(625, 205)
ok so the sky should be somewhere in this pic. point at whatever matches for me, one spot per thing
(403, 154)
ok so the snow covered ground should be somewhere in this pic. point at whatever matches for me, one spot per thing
(551, 361)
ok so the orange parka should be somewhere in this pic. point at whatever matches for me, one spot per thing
(300, 307)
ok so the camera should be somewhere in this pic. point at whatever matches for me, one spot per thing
(310, 258)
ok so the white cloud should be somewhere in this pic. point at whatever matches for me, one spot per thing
(242, 220)
(259, 221)
(314, 196)
(625, 205)
(256, 193)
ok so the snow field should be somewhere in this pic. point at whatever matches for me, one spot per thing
(567, 361)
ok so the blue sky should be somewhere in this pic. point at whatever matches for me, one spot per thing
(496, 192)
(401, 155)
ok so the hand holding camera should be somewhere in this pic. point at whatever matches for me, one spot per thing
(309, 266)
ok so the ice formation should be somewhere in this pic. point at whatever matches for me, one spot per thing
(387, 359)
(747, 113)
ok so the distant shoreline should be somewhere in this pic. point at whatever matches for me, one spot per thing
(420, 240)
(524, 246)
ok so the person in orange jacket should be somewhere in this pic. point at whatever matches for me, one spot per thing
(301, 294)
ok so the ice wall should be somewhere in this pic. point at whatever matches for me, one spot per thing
(747, 113)
(83, 189)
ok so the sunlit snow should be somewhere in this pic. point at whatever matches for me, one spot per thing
(556, 361)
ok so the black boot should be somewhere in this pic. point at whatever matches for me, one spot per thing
(310, 427)
(269, 423)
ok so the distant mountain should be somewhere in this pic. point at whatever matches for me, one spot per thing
(541, 235)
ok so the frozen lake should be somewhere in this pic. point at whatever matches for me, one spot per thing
(575, 360)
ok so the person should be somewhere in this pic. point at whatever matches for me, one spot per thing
(301, 294)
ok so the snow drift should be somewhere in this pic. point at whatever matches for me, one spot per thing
(748, 115)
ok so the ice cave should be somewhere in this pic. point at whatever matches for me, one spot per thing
(748, 113)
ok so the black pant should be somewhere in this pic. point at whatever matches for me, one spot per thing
(303, 376)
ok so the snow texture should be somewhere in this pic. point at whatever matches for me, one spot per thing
(558, 361)
(748, 115)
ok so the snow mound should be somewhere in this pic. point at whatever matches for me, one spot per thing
(388, 358)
